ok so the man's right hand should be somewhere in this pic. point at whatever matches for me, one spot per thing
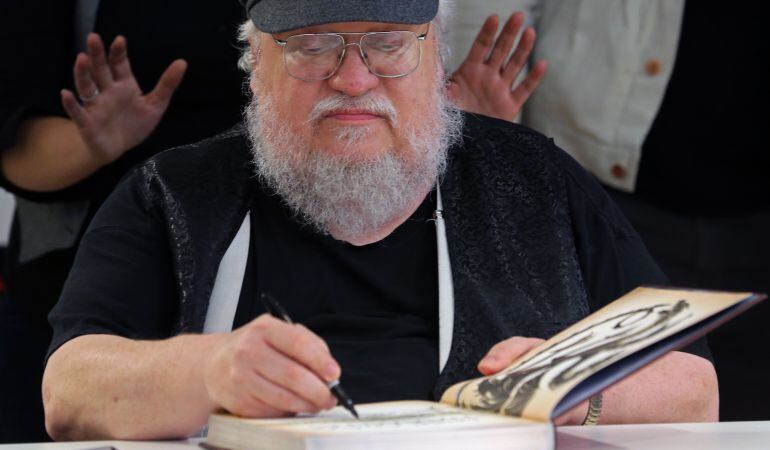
(115, 115)
(269, 368)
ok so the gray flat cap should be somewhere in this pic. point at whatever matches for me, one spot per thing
(276, 16)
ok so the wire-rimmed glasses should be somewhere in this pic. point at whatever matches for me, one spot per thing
(317, 56)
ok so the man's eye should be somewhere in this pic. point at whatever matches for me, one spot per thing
(388, 47)
(313, 50)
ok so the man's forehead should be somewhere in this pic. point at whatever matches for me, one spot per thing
(280, 16)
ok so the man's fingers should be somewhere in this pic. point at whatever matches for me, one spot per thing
(73, 109)
(168, 82)
(304, 347)
(276, 396)
(100, 71)
(296, 382)
(530, 83)
(483, 41)
(246, 405)
(506, 39)
(504, 353)
(520, 56)
(118, 59)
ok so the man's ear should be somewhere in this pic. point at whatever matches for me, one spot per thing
(256, 51)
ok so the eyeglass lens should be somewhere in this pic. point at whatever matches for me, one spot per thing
(317, 56)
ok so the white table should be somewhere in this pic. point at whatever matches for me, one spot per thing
(701, 436)
(695, 436)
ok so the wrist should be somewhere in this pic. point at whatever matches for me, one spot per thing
(202, 367)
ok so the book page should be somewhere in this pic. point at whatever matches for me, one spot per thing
(532, 386)
(386, 417)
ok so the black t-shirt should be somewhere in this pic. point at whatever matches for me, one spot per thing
(708, 151)
(376, 305)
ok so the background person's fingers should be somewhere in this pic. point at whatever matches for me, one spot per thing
(484, 40)
(118, 59)
(84, 83)
(293, 377)
(73, 109)
(100, 71)
(168, 83)
(520, 55)
(522, 92)
(505, 41)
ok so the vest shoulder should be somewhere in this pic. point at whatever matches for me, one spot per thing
(212, 156)
(493, 146)
(491, 142)
(502, 132)
(217, 169)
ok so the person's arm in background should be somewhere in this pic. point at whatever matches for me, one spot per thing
(52, 153)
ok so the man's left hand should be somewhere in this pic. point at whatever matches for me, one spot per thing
(485, 85)
(505, 353)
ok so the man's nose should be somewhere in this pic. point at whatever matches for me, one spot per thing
(353, 76)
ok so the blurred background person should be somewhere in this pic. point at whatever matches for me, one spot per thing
(665, 102)
(62, 155)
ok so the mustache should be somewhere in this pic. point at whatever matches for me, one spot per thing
(369, 103)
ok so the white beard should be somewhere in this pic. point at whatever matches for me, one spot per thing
(351, 199)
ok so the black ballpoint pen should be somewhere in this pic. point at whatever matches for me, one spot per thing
(276, 310)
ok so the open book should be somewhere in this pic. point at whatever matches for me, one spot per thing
(515, 407)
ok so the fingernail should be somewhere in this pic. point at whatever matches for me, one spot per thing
(489, 359)
(331, 372)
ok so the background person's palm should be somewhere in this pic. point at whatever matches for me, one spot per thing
(115, 115)
(484, 82)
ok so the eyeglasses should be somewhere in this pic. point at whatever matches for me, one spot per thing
(317, 56)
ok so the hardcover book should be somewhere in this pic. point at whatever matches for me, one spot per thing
(515, 407)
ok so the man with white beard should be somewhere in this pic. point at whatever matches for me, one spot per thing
(416, 245)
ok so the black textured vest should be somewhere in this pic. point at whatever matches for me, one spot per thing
(514, 263)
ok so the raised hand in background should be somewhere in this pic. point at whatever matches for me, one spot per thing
(484, 83)
(115, 115)
(53, 153)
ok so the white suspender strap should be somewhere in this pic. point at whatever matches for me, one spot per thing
(446, 299)
(229, 280)
(227, 286)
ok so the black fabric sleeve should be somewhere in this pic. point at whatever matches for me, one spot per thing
(36, 44)
(612, 256)
(122, 281)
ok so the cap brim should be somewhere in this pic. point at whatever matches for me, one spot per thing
(276, 16)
